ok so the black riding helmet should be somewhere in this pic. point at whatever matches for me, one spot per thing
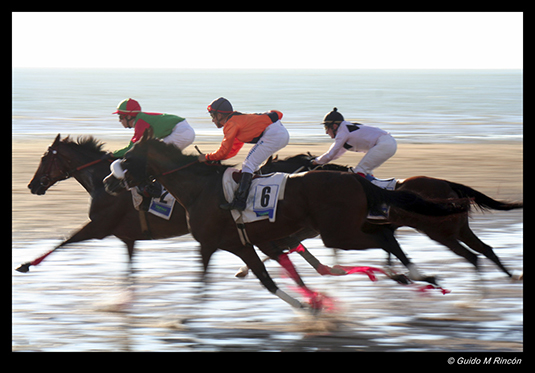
(220, 105)
(332, 117)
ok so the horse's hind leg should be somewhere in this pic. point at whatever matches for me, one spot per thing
(468, 237)
(454, 245)
(392, 246)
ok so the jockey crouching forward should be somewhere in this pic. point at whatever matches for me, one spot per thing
(170, 128)
(264, 130)
(378, 144)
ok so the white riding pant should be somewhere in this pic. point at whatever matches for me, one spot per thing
(385, 148)
(275, 138)
(182, 136)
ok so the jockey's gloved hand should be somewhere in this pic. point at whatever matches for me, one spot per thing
(109, 156)
(153, 189)
(311, 165)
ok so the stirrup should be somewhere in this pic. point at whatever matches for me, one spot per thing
(236, 204)
(240, 196)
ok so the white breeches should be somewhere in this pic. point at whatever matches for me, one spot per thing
(385, 148)
(182, 136)
(275, 138)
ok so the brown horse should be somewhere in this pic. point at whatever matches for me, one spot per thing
(333, 204)
(109, 215)
(451, 232)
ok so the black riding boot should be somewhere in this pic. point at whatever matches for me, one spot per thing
(240, 197)
(148, 192)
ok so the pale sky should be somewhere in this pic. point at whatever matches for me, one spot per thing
(269, 40)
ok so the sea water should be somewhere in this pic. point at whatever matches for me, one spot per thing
(416, 106)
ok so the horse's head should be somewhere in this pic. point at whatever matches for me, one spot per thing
(63, 159)
(53, 168)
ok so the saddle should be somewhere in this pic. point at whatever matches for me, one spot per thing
(236, 176)
(388, 184)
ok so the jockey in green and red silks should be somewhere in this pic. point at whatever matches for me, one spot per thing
(170, 128)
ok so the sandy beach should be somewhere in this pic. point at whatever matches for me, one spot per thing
(492, 168)
(239, 315)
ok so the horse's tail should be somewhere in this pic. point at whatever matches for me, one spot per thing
(481, 200)
(410, 201)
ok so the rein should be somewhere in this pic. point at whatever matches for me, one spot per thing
(178, 168)
(152, 177)
(45, 180)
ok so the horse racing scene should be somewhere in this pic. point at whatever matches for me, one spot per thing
(238, 198)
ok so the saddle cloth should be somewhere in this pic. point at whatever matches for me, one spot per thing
(388, 184)
(161, 206)
(263, 197)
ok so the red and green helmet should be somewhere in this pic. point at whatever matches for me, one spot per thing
(128, 107)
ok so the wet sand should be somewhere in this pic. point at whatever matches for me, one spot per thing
(80, 299)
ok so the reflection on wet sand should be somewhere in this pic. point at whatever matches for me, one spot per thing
(81, 299)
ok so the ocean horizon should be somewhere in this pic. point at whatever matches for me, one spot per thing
(415, 106)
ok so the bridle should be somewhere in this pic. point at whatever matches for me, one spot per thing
(61, 163)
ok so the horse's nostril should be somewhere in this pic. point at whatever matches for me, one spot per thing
(44, 181)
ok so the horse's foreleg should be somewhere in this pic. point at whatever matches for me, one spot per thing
(315, 299)
(85, 233)
(244, 270)
(206, 255)
(322, 269)
(251, 259)
(130, 248)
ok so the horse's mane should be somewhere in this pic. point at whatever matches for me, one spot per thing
(308, 157)
(299, 156)
(180, 159)
(88, 143)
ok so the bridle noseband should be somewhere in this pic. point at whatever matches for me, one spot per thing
(46, 180)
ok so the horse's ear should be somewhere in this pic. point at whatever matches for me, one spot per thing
(148, 134)
(269, 160)
(58, 137)
(276, 157)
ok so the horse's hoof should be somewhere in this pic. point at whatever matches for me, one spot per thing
(402, 279)
(430, 279)
(308, 308)
(517, 277)
(242, 272)
(23, 268)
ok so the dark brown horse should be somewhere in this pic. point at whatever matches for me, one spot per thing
(85, 161)
(333, 204)
(109, 215)
(451, 232)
